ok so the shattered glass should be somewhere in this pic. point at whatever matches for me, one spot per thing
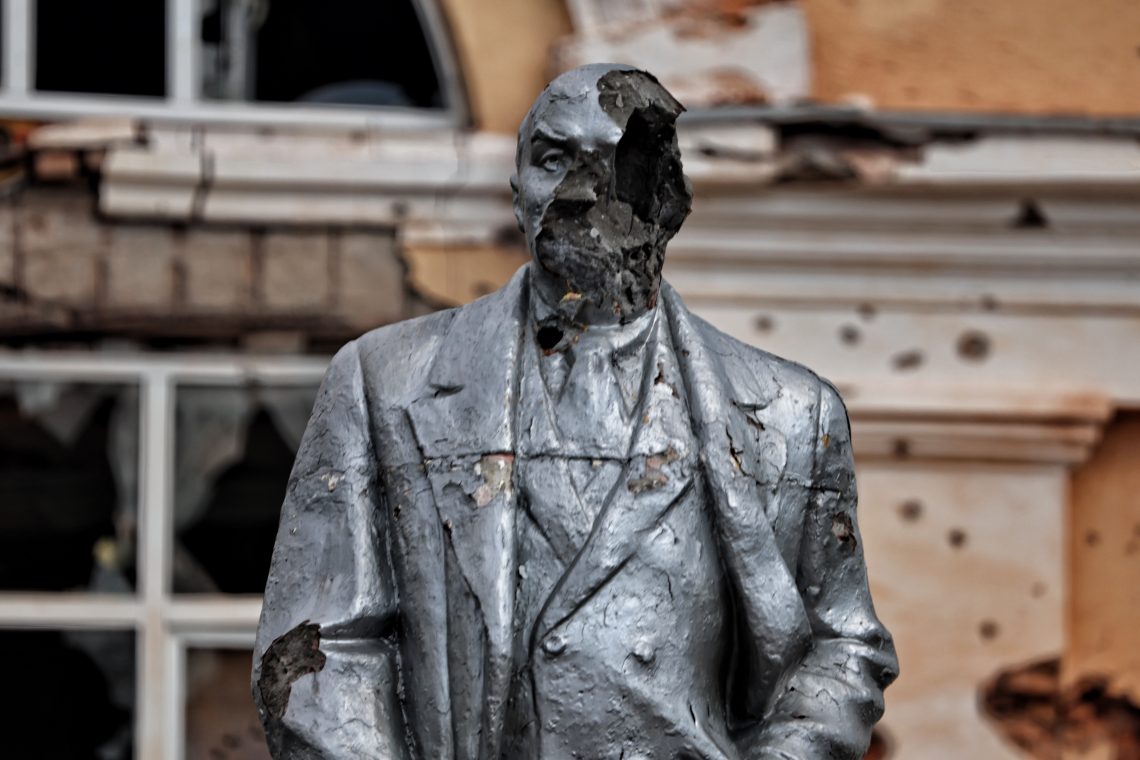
(234, 450)
(69, 695)
(68, 486)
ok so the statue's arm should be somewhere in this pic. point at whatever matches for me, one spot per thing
(325, 663)
(831, 701)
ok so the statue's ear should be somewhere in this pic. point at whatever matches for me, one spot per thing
(517, 203)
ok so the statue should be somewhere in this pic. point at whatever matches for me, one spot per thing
(571, 519)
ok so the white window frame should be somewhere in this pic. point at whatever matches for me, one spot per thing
(165, 625)
(184, 102)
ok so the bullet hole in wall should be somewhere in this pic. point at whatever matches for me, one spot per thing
(1029, 217)
(956, 538)
(900, 448)
(1092, 538)
(974, 346)
(849, 335)
(910, 510)
(764, 323)
(1029, 706)
(910, 359)
(988, 630)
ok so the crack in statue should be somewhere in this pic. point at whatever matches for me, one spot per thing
(571, 519)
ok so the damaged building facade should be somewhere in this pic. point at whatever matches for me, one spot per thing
(936, 204)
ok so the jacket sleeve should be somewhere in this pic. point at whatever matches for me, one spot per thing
(325, 663)
(830, 702)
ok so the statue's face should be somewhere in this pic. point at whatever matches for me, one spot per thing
(599, 190)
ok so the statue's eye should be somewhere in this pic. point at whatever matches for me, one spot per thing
(552, 160)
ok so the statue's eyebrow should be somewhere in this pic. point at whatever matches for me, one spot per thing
(546, 134)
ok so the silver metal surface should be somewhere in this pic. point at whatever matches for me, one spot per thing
(477, 559)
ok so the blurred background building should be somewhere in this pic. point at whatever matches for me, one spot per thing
(934, 203)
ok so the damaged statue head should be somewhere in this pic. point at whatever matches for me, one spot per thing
(571, 519)
(599, 191)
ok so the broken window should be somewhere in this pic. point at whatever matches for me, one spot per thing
(111, 48)
(221, 720)
(68, 695)
(234, 450)
(196, 452)
(337, 52)
(68, 486)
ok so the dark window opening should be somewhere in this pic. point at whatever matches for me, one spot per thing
(337, 52)
(234, 454)
(68, 476)
(68, 695)
(112, 48)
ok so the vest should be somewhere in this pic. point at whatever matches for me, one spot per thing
(637, 669)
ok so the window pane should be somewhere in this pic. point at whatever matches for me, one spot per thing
(342, 52)
(234, 451)
(68, 695)
(68, 486)
(221, 721)
(115, 48)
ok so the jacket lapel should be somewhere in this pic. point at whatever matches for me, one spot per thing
(743, 479)
(464, 427)
(469, 404)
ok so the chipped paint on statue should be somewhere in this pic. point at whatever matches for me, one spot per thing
(570, 519)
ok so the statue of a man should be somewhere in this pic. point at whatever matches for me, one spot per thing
(571, 519)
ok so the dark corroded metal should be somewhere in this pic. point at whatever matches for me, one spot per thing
(571, 519)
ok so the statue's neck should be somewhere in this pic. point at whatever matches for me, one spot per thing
(553, 301)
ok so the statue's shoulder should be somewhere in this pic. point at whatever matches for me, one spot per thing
(748, 364)
(394, 359)
(409, 335)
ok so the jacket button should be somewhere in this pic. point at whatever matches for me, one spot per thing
(644, 653)
(554, 645)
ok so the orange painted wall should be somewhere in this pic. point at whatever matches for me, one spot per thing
(503, 48)
(1104, 634)
(1019, 56)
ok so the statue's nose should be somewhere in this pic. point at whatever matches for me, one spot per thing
(587, 180)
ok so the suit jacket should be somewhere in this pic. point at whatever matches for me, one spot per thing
(632, 667)
(386, 630)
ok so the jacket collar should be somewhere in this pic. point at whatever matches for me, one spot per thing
(472, 388)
